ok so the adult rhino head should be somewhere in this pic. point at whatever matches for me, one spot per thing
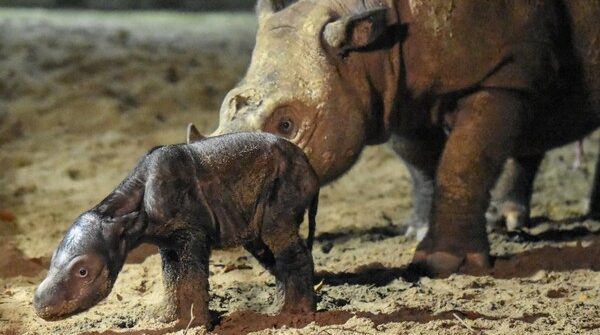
(324, 74)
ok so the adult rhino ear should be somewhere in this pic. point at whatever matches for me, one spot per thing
(356, 31)
(271, 6)
(193, 134)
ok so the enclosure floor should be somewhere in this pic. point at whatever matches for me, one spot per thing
(84, 95)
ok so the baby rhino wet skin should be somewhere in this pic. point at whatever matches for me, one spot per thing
(238, 189)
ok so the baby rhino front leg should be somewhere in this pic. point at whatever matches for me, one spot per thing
(185, 276)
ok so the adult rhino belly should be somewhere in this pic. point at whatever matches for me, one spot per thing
(571, 110)
(551, 131)
(584, 16)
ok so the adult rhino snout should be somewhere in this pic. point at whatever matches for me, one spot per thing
(242, 110)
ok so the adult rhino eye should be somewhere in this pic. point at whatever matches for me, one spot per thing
(83, 273)
(286, 126)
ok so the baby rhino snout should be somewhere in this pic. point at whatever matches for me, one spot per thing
(48, 301)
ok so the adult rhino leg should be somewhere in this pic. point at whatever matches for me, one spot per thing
(421, 157)
(512, 195)
(594, 207)
(485, 130)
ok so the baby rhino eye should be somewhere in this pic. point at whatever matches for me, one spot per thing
(83, 273)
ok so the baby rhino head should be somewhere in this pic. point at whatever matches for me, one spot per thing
(82, 270)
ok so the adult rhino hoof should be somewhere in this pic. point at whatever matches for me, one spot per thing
(509, 214)
(418, 233)
(441, 264)
(417, 228)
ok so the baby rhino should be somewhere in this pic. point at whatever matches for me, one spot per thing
(249, 189)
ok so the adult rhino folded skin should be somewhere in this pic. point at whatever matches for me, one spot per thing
(459, 87)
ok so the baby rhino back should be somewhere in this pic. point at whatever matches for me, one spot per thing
(251, 162)
(243, 161)
(229, 181)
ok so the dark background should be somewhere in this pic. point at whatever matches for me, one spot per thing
(183, 5)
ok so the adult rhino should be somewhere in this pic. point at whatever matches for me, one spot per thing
(459, 87)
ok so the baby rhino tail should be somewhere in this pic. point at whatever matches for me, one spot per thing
(312, 222)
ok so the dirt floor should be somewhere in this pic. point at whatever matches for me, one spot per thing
(84, 95)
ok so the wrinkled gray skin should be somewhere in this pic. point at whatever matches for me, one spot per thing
(459, 87)
(238, 189)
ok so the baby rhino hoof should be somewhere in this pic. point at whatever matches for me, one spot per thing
(512, 215)
(441, 264)
(164, 312)
(302, 306)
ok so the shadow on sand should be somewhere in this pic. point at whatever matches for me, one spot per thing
(585, 255)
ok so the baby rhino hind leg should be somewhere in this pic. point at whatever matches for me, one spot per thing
(293, 266)
(262, 253)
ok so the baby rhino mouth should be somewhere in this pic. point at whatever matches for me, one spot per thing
(58, 312)
(58, 308)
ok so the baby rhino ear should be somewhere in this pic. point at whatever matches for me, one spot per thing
(193, 135)
(128, 224)
(132, 223)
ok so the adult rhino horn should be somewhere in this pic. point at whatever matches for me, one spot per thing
(356, 31)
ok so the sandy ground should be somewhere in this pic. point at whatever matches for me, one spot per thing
(84, 95)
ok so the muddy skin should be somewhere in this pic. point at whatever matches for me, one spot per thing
(497, 80)
(238, 189)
